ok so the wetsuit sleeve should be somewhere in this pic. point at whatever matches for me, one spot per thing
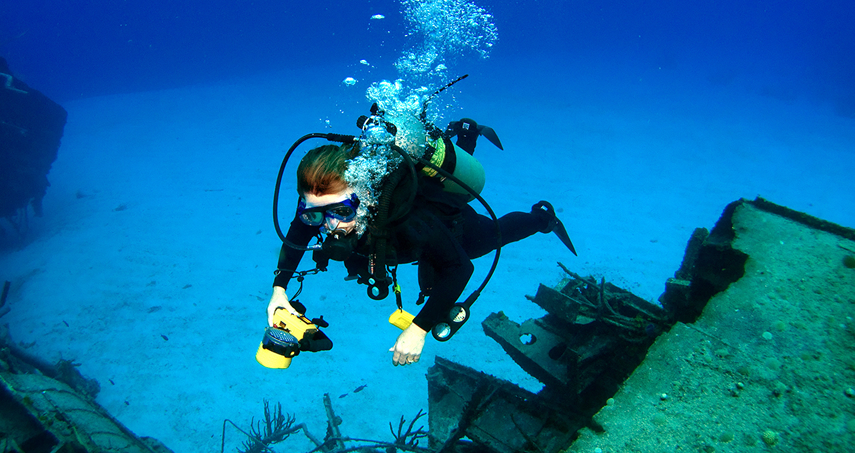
(450, 270)
(289, 258)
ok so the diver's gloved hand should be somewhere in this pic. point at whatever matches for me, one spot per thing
(408, 347)
(278, 300)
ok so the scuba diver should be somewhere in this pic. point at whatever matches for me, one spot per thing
(373, 217)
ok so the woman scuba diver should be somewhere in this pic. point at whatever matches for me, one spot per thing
(422, 218)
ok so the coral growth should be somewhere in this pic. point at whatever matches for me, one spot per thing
(277, 426)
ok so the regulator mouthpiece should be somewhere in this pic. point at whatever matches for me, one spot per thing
(339, 244)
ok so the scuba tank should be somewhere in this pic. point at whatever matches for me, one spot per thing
(462, 165)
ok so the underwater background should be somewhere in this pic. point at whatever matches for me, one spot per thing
(153, 262)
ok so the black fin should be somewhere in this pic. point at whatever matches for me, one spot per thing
(488, 133)
(554, 224)
(467, 132)
(561, 232)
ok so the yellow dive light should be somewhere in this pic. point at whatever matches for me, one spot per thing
(283, 341)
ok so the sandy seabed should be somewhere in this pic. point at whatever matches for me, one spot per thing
(152, 265)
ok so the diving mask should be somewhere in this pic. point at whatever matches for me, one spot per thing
(344, 211)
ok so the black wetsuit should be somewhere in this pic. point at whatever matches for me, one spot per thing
(442, 238)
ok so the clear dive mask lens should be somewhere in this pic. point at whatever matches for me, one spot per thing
(344, 211)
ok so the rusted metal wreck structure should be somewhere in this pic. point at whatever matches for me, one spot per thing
(592, 338)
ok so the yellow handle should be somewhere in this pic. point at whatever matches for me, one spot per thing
(401, 319)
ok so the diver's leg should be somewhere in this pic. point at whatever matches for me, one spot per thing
(479, 237)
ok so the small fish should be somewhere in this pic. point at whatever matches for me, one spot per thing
(360, 388)
(164, 337)
(66, 324)
(111, 381)
(378, 17)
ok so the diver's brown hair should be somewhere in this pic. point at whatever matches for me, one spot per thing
(321, 171)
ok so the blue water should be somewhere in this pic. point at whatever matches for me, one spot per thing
(788, 49)
(639, 120)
